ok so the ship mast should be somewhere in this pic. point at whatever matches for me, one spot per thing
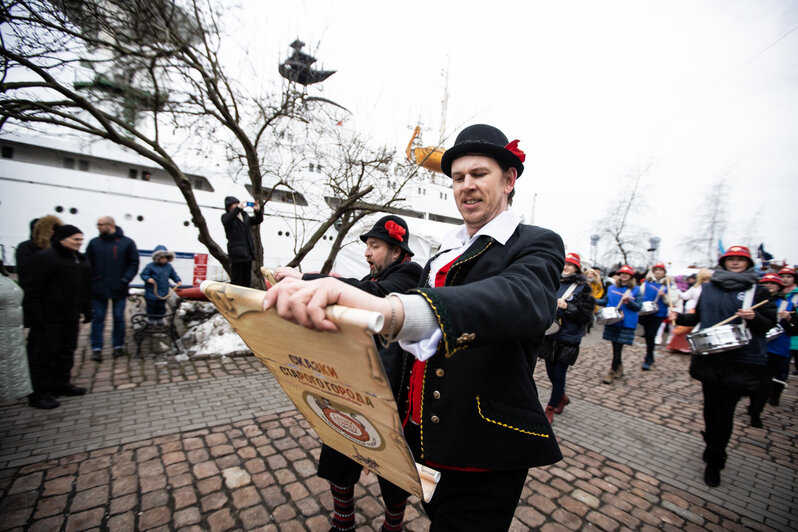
(444, 103)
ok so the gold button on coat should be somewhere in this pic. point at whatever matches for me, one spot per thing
(439, 372)
(434, 419)
(436, 394)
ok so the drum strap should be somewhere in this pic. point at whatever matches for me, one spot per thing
(569, 291)
(748, 298)
(783, 305)
(628, 291)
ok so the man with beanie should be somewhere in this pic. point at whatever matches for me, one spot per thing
(56, 294)
(114, 263)
(388, 255)
(470, 333)
(240, 244)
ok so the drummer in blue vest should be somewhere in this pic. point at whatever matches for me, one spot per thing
(654, 288)
(625, 295)
(790, 290)
(727, 376)
(778, 350)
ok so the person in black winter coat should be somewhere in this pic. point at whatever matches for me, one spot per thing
(471, 333)
(41, 231)
(388, 256)
(240, 244)
(729, 375)
(114, 263)
(56, 295)
(561, 348)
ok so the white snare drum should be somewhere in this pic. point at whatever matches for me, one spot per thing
(648, 307)
(719, 339)
(774, 333)
(608, 316)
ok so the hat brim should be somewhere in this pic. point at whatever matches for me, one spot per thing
(501, 154)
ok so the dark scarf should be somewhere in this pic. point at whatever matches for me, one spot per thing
(734, 281)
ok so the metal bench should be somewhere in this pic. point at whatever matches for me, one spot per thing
(149, 326)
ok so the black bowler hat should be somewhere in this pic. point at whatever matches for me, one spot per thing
(392, 230)
(482, 139)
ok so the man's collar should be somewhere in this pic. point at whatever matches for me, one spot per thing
(500, 229)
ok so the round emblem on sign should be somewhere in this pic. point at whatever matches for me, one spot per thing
(351, 425)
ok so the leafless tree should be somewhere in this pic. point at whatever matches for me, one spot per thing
(710, 224)
(151, 78)
(626, 238)
(355, 179)
(133, 59)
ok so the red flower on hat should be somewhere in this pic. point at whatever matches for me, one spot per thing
(513, 148)
(395, 230)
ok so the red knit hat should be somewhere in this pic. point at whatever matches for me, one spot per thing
(659, 265)
(627, 269)
(737, 251)
(787, 271)
(771, 278)
(574, 259)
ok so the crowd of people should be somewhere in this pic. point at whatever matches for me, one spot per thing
(60, 286)
(461, 335)
(744, 329)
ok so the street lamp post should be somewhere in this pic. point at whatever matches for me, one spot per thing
(594, 248)
(654, 246)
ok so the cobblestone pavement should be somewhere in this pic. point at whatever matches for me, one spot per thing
(213, 444)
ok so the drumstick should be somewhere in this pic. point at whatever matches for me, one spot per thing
(727, 320)
(668, 288)
(621, 301)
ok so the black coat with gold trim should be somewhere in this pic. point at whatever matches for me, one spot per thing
(480, 406)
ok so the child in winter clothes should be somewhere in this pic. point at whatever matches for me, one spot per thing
(156, 277)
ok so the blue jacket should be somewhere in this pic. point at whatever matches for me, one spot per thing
(794, 339)
(161, 273)
(781, 345)
(630, 309)
(114, 262)
(651, 291)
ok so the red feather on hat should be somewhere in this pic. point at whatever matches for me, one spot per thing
(395, 230)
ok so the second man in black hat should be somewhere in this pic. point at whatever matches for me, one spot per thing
(390, 270)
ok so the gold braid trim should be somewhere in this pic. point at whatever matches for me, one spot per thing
(505, 425)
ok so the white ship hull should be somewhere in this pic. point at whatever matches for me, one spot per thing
(34, 183)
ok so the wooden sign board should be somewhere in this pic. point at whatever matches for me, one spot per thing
(336, 380)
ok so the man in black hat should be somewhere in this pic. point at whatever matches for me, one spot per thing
(472, 332)
(56, 294)
(388, 255)
(240, 244)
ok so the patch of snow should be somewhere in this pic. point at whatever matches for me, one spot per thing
(213, 337)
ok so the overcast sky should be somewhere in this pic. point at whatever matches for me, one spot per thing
(595, 91)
